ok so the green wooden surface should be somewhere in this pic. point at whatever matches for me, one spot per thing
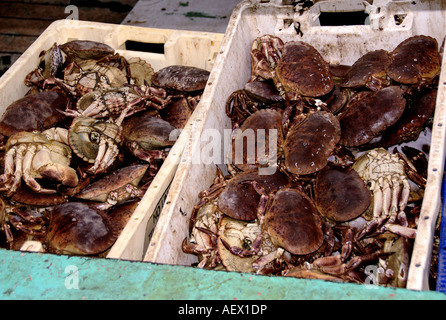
(45, 276)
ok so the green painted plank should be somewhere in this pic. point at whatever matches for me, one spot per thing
(45, 276)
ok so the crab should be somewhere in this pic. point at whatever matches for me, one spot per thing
(118, 103)
(420, 107)
(203, 234)
(385, 175)
(28, 222)
(302, 71)
(77, 229)
(147, 137)
(36, 155)
(289, 222)
(262, 130)
(232, 197)
(368, 71)
(78, 50)
(181, 78)
(115, 187)
(254, 96)
(415, 60)
(50, 66)
(309, 142)
(266, 51)
(368, 114)
(340, 194)
(33, 112)
(95, 141)
(393, 269)
(87, 75)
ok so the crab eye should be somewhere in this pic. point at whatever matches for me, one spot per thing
(94, 136)
(247, 243)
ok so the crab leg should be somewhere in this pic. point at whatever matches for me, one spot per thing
(9, 166)
(18, 169)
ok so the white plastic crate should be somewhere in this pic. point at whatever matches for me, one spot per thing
(190, 48)
(390, 22)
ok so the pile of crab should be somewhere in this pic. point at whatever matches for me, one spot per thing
(344, 201)
(80, 149)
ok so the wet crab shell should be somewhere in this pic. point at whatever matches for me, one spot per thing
(34, 112)
(86, 49)
(368, 116)
(372, 64)
(83, 136)
(413, 120)
(77, 229)
(115, 181)
(149, 132)
(140, 71)
(341, 194)
(239, 200)
(294, 223)
(240, 234)
(259, 124)
(414, 59)
(303, 70)
(181, 78)
(309, 144)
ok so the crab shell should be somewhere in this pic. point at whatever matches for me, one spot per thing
(239, 200)
(369, 115)
(115, 181)
(341, 194)
(236, 233)
(414, 59)
(293, 222)
(265, 120)
(77, 229)
(181, 78)
(303, 70)
(371, 64)
(413, 120)
(34, 112)
(140, 71)
(86, 49)
(147, 131)
(309, 144)
(82, 132)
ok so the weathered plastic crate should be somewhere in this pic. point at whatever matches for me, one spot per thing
(189, 48)
(389, 23)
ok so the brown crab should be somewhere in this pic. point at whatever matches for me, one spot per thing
(27, 222)
(289, 221)
(33, 112)
(78, 50)
(118, 103)
(256, 141)
(147, 137)
(341, 194)
(310, 142)
(116, 187)
(35, 155)
(368, 114)
(254, 96)
(420, 107)
(368, 71)
(77, 229)
(266, 51)
(302, 71)
(181, 78)
(87, 75)
(414, 60)
(385, 174)
(95, 141)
